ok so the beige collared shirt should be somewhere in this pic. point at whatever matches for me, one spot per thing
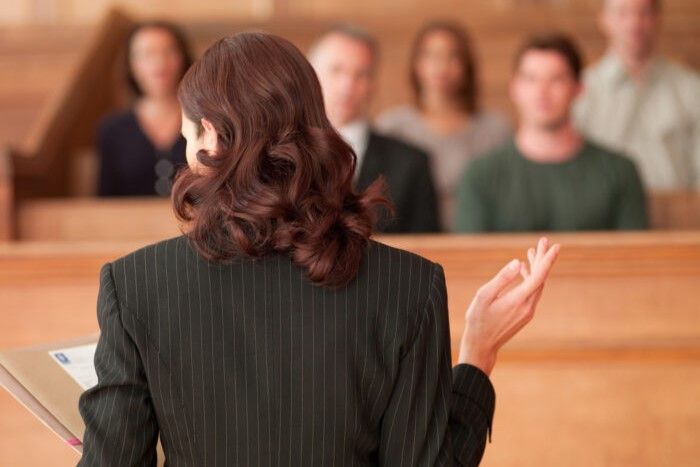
(655, 122)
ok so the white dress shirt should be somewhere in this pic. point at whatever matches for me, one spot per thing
(356, 134)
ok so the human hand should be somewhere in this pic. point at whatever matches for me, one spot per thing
(498, 312)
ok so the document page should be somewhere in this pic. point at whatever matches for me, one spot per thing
(78, 362)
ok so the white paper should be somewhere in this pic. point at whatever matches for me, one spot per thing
(78, 362)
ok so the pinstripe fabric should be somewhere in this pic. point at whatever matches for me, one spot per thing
(250, 364)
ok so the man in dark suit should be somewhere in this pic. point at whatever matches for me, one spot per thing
(345, 60)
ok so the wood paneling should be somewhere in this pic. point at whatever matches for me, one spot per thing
(611, 413)
(607, 373)
(68, 120)
(35, 62)
(96, 219)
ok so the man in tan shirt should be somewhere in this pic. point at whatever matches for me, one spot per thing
(639, 103)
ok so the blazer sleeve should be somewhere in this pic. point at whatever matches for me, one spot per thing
(120, 422)
(436, 416)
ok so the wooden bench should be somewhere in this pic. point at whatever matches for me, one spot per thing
(607, 374)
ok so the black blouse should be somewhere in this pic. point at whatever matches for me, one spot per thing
(130, 165)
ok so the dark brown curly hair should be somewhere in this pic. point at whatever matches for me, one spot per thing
(281, 180)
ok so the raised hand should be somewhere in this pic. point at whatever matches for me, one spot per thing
(502, 307)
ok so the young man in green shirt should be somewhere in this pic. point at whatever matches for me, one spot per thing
(549, 178)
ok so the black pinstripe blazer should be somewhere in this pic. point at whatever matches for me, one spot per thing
(250, 364)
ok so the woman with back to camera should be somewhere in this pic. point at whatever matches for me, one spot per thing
(141, 148)
(447, 120)
(275, 331)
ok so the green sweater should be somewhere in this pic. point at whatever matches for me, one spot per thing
(506, 192)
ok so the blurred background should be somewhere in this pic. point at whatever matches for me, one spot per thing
(609, 372)
(62, 70)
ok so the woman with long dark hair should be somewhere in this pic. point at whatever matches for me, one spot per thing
(447, 118)
(275, 331)
(140, 149)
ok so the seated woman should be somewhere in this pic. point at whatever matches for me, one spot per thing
(447, 120)
(140, 149)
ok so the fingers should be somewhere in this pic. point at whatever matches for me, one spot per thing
(544, 263)
(532, 256)
(489, 291)
(542, 247)
(524, 270)
(535, 254)
(541, 270)
(536, 278)
(540, 259)
(531, 261)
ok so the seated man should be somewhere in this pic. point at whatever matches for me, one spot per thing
(345, 61)
(549, 177)
(640, 103)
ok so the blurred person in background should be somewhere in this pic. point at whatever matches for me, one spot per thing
(447, 120)
(549, 178)
(345, 59)
(640, 103)
(141, 148)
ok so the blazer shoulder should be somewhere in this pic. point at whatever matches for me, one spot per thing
(135, 259)
(131, 273)
(420, 281)
(400, 259)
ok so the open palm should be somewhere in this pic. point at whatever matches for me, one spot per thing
(502, 307)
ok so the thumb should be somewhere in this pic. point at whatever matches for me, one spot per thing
(489, 291)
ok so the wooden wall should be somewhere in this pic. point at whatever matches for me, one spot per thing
(23, 12)
(34, 61)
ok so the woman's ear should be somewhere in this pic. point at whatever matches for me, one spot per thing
(209, 137)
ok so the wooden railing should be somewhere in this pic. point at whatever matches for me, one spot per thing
(94, 219)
